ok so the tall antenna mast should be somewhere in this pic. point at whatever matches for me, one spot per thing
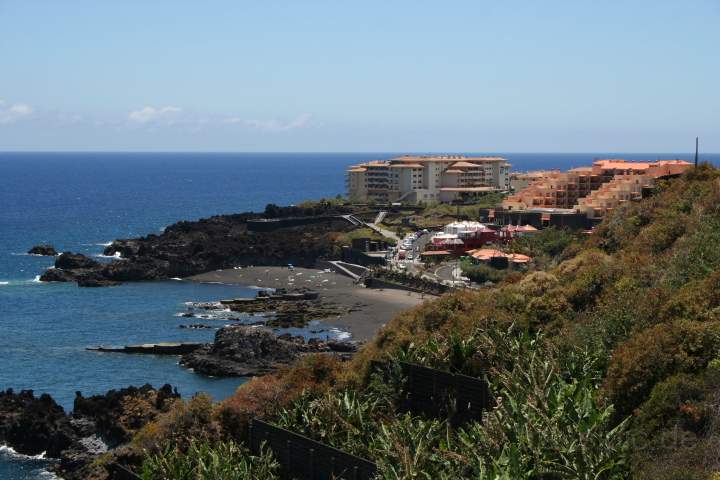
(697, 144)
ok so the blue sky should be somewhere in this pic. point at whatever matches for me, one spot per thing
(511, 76)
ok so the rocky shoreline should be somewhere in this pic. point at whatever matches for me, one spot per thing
(283, 309)
(248, 351)
(223, 241)
(101, 424)
(73, 441)
(43, 250)
(105, 423)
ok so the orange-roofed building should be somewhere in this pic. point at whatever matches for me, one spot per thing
(485, 254)
(488, 254)
(596, 190)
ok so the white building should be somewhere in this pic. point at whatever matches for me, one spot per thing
(463, 229)
(416, 179)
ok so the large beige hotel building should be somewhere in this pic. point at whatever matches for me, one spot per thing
(424, 179)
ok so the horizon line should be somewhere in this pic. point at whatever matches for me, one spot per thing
(355, 152)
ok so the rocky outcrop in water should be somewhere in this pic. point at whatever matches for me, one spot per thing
(286, 309)
(70, 267)
(242, 351)
(190, 248)
(33, 425)
(109, 412)
(91, 281)
(45, 250)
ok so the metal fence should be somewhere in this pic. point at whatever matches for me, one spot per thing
(439, 394)
(305, 459)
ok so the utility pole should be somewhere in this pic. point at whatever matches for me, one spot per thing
(697, 145)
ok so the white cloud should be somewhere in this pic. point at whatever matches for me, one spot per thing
(300, 121)
(234, 120)
(63, 118)
(151, 117)
(14, 112)
(151, 114)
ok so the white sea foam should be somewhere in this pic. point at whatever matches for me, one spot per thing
(5, 283)
(116, 255)
(48, 474)
(340, 334)
(10, 452)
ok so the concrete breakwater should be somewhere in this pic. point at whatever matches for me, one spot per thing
(164, 348)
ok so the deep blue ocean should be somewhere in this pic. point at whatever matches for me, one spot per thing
(80, 201)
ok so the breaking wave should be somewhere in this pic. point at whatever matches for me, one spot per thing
(10, 452)
(115, 256)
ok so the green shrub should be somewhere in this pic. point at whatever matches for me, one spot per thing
(186, 420)
(548, 242)
(674, 402)
(207, 461)
(698, 255)
(481, 273)
(657, 353)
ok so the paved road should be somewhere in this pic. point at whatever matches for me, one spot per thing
(449, 272)
(384, 232)
(414, 265)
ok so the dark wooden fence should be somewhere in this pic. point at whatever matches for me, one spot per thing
(306, 459)
(120, 472)
(439, 394)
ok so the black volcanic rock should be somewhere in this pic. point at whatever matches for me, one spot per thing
(244, 351)
(93, 281)
(33, 425)
(45, 250)
(74, 267)
(240, 351)
(190, 248)
(74, 261)
(57, 275)
(107, 411)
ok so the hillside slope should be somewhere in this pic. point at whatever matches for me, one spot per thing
(604, 365)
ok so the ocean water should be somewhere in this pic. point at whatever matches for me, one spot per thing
(79, 202)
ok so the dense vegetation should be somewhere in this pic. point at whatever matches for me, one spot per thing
(605, 364)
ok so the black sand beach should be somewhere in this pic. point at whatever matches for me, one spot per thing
(370, 308)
